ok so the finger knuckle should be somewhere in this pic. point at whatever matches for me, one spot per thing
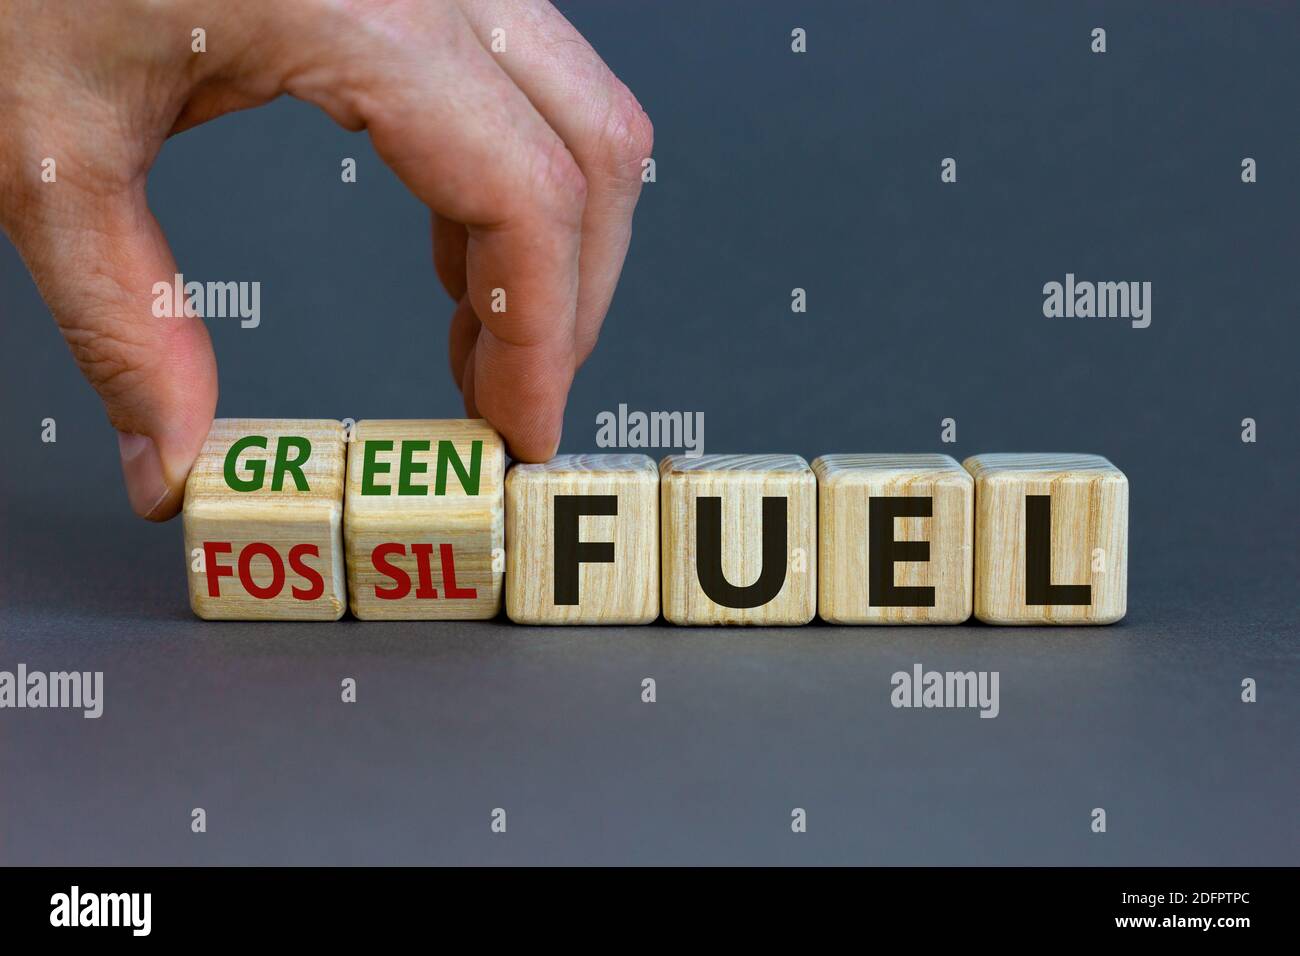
(107, 359)
(559, 182)
(625, 138)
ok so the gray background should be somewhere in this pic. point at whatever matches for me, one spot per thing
(774, 171)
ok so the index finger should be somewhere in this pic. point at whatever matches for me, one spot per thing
(523, 286)
(467, 141)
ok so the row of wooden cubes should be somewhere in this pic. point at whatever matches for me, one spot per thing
(425, 523)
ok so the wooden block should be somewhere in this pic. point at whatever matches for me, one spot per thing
(263, 515)
(584, 541)
(896, 535)
(424, 520)
(739, 539)
(1051, 539)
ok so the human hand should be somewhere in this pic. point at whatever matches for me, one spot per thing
(530, 161)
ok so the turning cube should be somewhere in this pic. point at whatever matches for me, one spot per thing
(896, 536)
(1051, 539)
(424, 520)
(263, 519)
(739, 539)
(584, 540)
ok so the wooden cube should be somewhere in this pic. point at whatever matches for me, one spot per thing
(424, 520)
(739, 539)
(896, 535)
(263, 517)
(584, 541)
(1051, 539)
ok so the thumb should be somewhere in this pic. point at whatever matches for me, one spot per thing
(96, 259)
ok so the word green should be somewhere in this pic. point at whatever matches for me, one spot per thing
(407, 467)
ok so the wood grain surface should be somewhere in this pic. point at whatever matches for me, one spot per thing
(741, 482)
(1089, 536)
(471, 524)
(215, 512)
(624, 591)
(846, 485)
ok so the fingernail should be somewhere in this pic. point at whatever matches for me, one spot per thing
(142, 468)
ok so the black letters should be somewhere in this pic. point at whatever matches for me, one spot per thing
(708, 553)
(1039, 588)
(885, 552)
(569, 551)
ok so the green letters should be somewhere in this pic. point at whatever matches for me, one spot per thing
(370, 468)
(408, 467)
(283, 464)
(257, 468)
(446, 453)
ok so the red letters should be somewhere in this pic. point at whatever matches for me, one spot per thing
(246, 570)
(379, 558)
(216, 571)
(312, 586)
(307, 572)
(449, 575)
(426, 588)
(423, 554)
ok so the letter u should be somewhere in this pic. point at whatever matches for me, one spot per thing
(708, 551)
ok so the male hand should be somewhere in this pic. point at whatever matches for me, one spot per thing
(530, 161)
